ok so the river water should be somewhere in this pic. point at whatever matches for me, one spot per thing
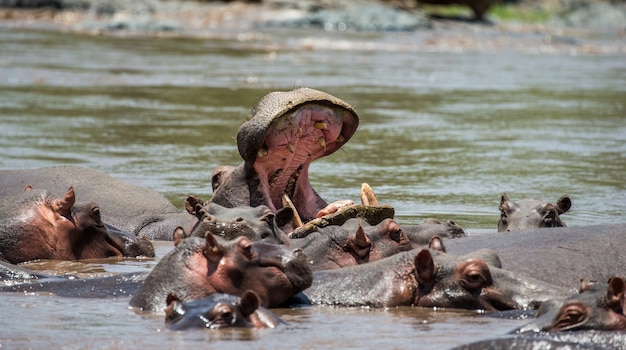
(444, 130)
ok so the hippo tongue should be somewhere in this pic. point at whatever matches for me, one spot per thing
(306, 124)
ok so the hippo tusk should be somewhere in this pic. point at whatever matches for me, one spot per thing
(367, 195)
(296, 221)
(322, 141)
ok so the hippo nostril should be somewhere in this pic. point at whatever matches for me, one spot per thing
(239, 219)
(298, 251)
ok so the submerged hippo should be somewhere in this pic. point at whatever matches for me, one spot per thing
(198, 267)
(137, 210)
(256, 223)
(219, 311)
(527, 214)
(287, 131)
(421, 234)
(562, 257)
(600, 306)
(424, 277)
(35, 225)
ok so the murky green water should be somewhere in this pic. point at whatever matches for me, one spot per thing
(442, 134)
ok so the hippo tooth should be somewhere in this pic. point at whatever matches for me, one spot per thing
(368, 197)
(320, 125)
(299, 132)
(322, 141)
(341, 139)
(296, 221)
(262, 152)
(291, 149)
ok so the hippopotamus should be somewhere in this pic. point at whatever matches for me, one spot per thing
(354, 242)
(561, 258)
(429, 278)
(599, 306)
(219, 311)
(286, 132)
(421, 234)
(133, 209)
(531, 213)
(198, 267)
(35, 225)
(256, 223)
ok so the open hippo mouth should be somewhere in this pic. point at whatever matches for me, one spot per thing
(288, 131)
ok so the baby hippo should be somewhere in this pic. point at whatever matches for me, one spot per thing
(529, 214)
(219, 311)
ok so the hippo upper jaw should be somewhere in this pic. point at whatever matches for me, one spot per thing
(288, 131)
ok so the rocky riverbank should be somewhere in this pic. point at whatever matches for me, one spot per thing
(584, 26)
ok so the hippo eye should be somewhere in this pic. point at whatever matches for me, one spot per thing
(228, 318)
(398, 236)
(95, 214)
(215, 181)
(474, 280)
(503, 218)
(220, 316)
(570, 316)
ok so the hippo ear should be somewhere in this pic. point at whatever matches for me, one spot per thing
(212, 249)
(504, 202)
(190, 204)
(615, 294)
(28, 188)
(64, 205)
(171, 297)
(585, 285)
(424, 267)
(249, 303)
(563, 204)
(174, 307)
(284, 216)
(179, 235)
(436, 243)
(360, 243)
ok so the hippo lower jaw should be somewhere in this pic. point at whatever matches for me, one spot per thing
(291, 143)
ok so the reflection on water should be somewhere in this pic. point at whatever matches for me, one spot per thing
(442, 134)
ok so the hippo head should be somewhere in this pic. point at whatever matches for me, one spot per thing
(256, 223)
(367, 243)
(218, 311)
(463, 285)
(60, 228)
(273, 272)
(531, 214)
(600, 307)
(198, 267)
(287, 131)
